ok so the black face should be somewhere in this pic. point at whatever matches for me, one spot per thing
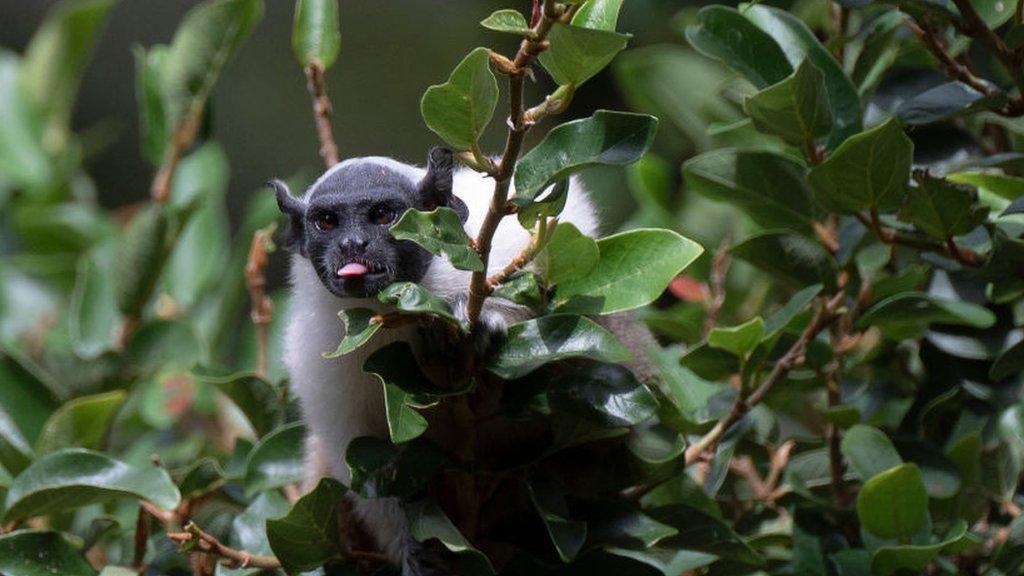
(343, 230)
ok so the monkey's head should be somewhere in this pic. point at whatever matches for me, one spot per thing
(342, 224)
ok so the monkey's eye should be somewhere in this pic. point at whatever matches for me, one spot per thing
(326, 221)
(382, 215)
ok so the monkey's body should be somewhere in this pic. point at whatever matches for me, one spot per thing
(338, 400)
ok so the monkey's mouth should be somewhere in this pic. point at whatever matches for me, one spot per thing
(359, 269)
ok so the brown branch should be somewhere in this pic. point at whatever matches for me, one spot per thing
(949, 248)
(208, 544)
(716, 287)
(322, 111)
(952, 68)
(183, 136)
(141, 537)
(256, 282)
(526, 255)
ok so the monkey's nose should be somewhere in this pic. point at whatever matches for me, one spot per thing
(354, 243)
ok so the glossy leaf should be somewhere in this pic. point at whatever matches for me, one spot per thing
(1002, 185)
(521, 288)
(784, 316)
(533, 343)
(460, 109)
(31, 553)
(576, 54)
(606, 138)
(439, 232)
(566, 534)
(359, 329)
(606, 394)
(310, 534)
(632, 270)
(942, 209)
(946, 101)
(508, 20)
(82, 422)
(868, 171)
(869, 451)
(795, 109)
(793, 259)
(598, 14)
(568, 254)
(74, 478)
(770, 188)
(411, 297)
(276, 461)
(315, 33)
(893, 503)
(725, 34)
(892, 559)
(738, 339)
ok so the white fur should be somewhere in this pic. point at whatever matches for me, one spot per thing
(338, 400)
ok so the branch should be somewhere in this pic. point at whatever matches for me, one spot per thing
(949, 248)
(716, 288)
(256, 282)
(953, 69)
(183, 137)
(208, 544)
(322, 111)
(526, 255)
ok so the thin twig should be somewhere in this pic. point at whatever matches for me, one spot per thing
(208, 544)
(256, 282)
(141, 537)
(183, 136)
(716, 286)
(953, 69)
(322, 111)
(965, 256)
(526, 255)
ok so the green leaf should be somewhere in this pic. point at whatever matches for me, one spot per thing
(606, 394)
(276, 461)
(396, 367)
(725, 34)
(910, 313)
(359, 329)
(566, 534)
(521, 288)
(942, 209)
(315, 35)
(29, 553)
(411, 297)
(770, 188)
(868, 171)
(598, 15)
(1002, 185)
(1008, 363)
(946, 101)
(510, 21)
(568, 254)
(576, 54)
(792, 259)
(55, 61)
(203, 477)
(75, 478)
(15, 451)
(869, 451)
(892, 559)
(22, 158)
(619, 524)
(163, 345)
(460, 109)
(93, 317)
(207, 37)
(799, 43)
(257, 398)
(82, 422)
(142, 252)
(893, 504)
(27, 394)
(249, 529)
(606, 138)
(795, 109)
(427, 521)
(153, 129)
(633, 269)
(380, 469)
(439, 232)
(738, 339)
(536, 342)
(310, 534)
(785, 316)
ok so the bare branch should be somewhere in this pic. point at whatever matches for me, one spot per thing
(322, 111)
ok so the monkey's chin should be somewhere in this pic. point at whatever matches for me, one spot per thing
(365, 286)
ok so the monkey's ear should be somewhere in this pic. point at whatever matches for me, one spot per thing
(295, 209)
(436, 186)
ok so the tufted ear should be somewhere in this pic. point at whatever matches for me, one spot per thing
(436, 186)
(293, 238)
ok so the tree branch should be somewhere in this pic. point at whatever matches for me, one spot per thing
(256, 281)
(322, 111)
(716, 287)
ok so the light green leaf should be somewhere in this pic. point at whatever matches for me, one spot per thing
(82, 422)
(725, 34)
(411, 297)
(249, 529)
(315, 35)
(511, 21)
(566, 534)
(533, 343)
(770, 188)
(359, 329)
(738, 339)
(576, 54)
(310, 534)
(870, 170)
(598, 15)
(153, 129)
(633, 269)
(795, 109)
(207, 37)
(276, 461)
(93, 318)
(1002, 185)
(439, 232)
(894, 504)
(610, 138)
(460, 109)
(74, 478)
(568, 254)
(869, 451)
(942, 209)
(22, 159)
(30, 553)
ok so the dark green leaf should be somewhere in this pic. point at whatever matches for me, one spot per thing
(894, 504)
(942, 209)
(315, 36)
(359, 328)
(868, 171)
(27, 394)
(795, 109)
(439, 232)
(946, 101)
(566, 534)
(568, 254)
(793, 259)
(725, 34)
(460, 109)
(201, 478)
(310, 534)
(521, 288)
(911, 312)
(607, 394)
(785, 316)
(15, 451)
(607, 137)
(82, 422)
(577, 54)
(710, 363)
(94, 317)
(869, 451)
(511, 21)
(891, 559)
(276, 461)
(427, 520)
(1009, 362)
(770, 188)
(27, 553)
(405, 387)
(619, 524)
(738, 339)
(533, 343)
(632, 270)
(411, 297)
(258, 399)
(74, 478)
(163, 345)
(381, 469)
(153, 129)
(141, 256)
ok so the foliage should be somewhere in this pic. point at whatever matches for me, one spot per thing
(834, 390)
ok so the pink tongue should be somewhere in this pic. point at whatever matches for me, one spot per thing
(352, 269)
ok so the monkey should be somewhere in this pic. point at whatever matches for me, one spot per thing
(342, 256)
